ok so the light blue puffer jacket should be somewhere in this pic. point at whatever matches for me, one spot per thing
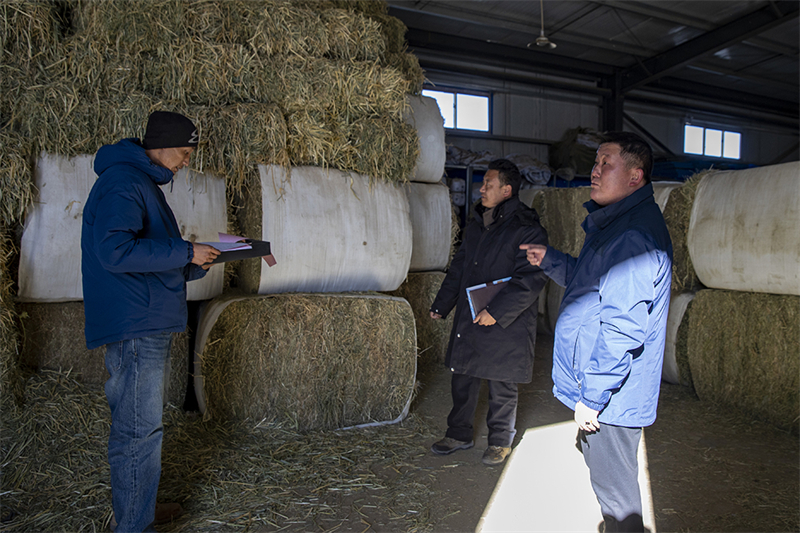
(609, 339)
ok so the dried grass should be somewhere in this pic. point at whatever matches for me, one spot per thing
(433, 336)
(252, 476)
(677, 215)
(310, 361)
(11, 380)
(743, 353)
(16, 184)
(561, 212)
(53, 339)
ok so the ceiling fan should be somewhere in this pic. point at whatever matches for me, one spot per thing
(541, 40)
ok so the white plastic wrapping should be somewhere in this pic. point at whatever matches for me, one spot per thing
(429, 210)
(331, 231)
(425, 116)
(744, 232)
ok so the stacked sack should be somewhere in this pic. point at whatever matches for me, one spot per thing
(297, 103)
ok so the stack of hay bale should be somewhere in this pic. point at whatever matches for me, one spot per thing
(733, 331)
(299, 104)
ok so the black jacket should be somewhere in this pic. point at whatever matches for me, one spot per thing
(503, 351)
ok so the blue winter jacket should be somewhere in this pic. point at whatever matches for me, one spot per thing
(134, 262)
(609, 339)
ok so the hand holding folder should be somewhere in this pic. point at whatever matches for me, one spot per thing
(479, 296)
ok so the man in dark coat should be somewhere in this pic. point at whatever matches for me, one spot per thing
(497, 346)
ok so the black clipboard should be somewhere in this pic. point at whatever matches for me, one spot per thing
(257, 249)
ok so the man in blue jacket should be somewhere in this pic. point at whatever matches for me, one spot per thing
(135, 267)
(609, 339)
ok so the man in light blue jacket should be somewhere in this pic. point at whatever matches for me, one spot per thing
(609, 339)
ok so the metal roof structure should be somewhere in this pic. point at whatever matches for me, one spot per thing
(727, 56)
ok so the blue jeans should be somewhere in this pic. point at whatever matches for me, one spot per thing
(139, 369)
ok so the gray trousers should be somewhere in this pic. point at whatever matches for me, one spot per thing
(611, 455)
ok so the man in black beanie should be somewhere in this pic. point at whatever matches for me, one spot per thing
(135, 266)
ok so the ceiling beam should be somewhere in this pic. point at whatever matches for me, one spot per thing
(522, 58)
(651, 11)
(734, 32)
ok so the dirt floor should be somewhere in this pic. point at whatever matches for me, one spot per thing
(710, 470)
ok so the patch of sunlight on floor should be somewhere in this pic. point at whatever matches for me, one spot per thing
(545, 487)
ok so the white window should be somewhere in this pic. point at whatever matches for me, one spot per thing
(462, 111)
(711, 142)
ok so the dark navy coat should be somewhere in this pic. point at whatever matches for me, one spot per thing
(503, 351)
(135, 264)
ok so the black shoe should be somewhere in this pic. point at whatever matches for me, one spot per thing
(446, 446)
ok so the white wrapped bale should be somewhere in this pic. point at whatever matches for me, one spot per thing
(311, 361)
(424, 115)
(50, 258)
(198, 202)
(50, 254)
(744, 232)
(329, 231)
(431, 221)
(676, 362)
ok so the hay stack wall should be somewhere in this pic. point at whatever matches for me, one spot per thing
(744, 233)
(267, 82)
(310, 361)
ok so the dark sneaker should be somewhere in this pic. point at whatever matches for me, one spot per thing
(165, 512)
(495, 455)
(446, 446)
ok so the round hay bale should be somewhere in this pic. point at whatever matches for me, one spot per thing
(431, 225)
(744, 228)
(677, 214)
(330, 231)
(53, 339)
(561, 212)
(420, 289)
(353, 36)
(424, 115)
(676, 357)
(743, 353)
(309, 361)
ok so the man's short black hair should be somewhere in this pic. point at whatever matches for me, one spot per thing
(508, 174)
(634, 150)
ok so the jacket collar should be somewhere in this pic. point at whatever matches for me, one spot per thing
(603, 216)
(502, 210)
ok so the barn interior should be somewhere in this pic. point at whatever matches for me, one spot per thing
(353, 136)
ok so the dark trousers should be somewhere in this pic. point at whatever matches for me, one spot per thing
(500, 419)
(611, 455)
